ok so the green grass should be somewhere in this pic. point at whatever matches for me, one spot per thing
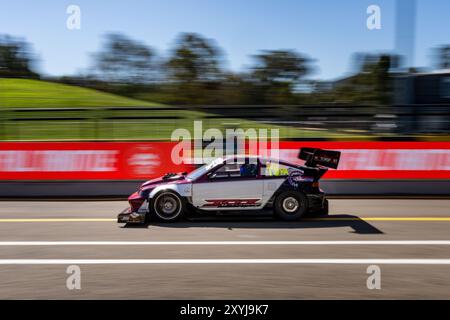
(18, 93)
(22, 93)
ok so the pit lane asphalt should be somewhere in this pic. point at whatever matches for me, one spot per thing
(372, 220)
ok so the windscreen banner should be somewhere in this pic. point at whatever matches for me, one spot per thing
(145, 160)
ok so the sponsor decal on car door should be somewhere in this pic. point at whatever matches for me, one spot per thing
(228, 195)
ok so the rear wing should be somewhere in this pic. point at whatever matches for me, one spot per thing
(315, 157)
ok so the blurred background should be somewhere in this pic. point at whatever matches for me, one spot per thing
(91, 92)
(137, 71)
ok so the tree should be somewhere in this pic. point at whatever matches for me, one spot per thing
(372, 82)
(277, 72)
(15, 58)
(383, 81)
(123, 60)
(194, 59)
(280, 66)
(194, 68)
(443, 57)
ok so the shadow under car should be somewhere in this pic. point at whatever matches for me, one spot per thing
(231, 222)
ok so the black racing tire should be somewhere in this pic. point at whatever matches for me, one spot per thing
(290, 205)
(167, 206)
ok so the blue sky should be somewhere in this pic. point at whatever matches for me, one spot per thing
(329, 31)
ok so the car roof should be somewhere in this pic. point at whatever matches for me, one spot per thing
(262, 159)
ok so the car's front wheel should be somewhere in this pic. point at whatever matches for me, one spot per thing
(168, 206)
(290, 205)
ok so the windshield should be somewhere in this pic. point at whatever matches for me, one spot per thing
(203, 169)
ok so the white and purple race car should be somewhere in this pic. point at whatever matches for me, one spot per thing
(236, 183)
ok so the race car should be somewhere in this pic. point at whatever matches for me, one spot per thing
(236, 183)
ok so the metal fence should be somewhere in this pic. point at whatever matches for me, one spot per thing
(307, 121)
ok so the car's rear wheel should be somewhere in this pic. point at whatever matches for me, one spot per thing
(290, 205)
(168, 206)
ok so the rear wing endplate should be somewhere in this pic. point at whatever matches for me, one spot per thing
(315, 157)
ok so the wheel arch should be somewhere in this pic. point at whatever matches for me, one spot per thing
(154, 195)
(151, 201)
(284, 189)
(183, 190)
(283, 213)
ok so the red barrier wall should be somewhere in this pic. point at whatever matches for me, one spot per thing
(382, 160)
(86, 160)
(142, 160)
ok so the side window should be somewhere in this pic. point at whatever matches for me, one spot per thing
(273, 169)
(235, 170)
(249, 170)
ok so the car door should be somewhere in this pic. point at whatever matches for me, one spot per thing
(229, 188)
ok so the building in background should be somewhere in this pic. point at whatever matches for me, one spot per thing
(405, 33)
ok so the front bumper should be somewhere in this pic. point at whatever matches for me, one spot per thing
(127, 216)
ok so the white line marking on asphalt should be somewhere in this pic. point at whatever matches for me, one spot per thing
(330, 218)
(220, 243)
(223, 261)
